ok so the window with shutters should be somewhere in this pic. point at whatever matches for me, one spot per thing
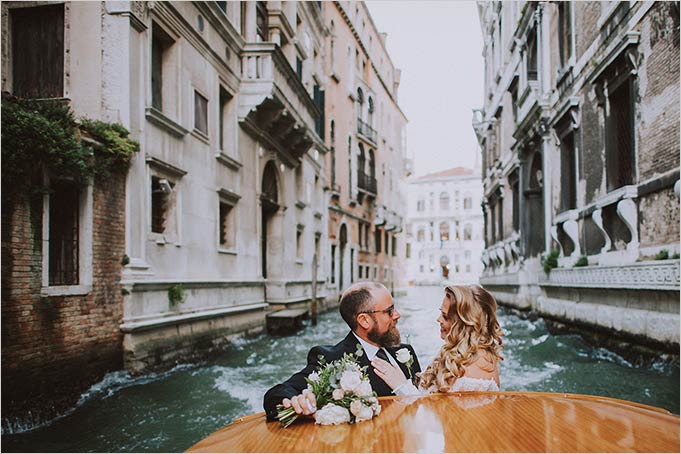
(37, 63)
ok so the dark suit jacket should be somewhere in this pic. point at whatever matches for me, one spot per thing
(296, 384)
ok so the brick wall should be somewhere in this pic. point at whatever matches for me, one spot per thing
(658, 116)
(55, 348)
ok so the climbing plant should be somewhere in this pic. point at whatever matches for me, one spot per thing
(41, 136)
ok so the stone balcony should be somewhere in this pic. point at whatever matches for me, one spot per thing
(612, 223)
(274, 105)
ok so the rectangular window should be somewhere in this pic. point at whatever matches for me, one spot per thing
(568, 172)
(467, 203)
(377, 240)
(299, 243)
(63, 234)
(532, 56)
(619, 135)
(38, 51)
(226, 227)
(564, 32)
(515, 187)
(408, 251)
(225, 118)
(299, 68)
(161, 43)
(200, 113)
(386, 238)
(317, 249)
(261, 21)
(393, 247)
(160, 207)
(468, 268)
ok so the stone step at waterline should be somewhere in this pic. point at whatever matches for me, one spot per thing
(286, 320)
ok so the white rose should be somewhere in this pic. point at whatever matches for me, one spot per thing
(376, 408)
(365, 414)
(403, 355)
(337, 394)
(356, 407)
(364, 389)
(314, 376)
(350, 380)
(332, 414)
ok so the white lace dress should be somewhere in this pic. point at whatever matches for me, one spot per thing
(462, 384)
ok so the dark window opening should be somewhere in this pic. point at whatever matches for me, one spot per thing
(261, 21)
(619, 125)
(532, 55)
(63, 234)
(160, 189)
(299, 68)
(319, 98)
(564, 32)
(225, 210)
(377, 240)
(38, 51)
(160, 43)
(568, 172)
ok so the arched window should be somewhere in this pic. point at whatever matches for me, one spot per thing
(332, 47)
(420, 235)
(370, 117)
(444, 201)
(372, 164)
(360, 103)
(420, 205)
(444, 231)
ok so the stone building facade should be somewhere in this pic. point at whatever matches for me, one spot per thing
(367, 160)
(580, 142)
(224, 214)
(444, 227)
(62, 248)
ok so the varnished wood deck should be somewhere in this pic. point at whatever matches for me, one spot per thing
(480, 422)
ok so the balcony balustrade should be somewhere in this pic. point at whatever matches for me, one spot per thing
(366, 183)
(366, 130)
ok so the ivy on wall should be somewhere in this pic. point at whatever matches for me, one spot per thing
(43, 136)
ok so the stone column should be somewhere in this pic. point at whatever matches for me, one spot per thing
(544, 33)
(546, 169)
(250, 32)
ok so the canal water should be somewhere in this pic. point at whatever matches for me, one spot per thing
(170, 412)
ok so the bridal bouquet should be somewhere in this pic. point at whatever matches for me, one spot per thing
(342, 390)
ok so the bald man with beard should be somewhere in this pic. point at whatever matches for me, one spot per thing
(370, 312)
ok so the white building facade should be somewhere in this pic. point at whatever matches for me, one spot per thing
(445, 227)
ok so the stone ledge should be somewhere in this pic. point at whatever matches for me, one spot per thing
(650, 275)
(658, 326)
(157, 322)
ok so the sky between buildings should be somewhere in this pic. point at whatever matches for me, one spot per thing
(438, 46)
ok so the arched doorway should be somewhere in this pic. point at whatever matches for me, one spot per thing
(343, 241)
(269, 202)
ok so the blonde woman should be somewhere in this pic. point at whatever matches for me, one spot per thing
(469, 358)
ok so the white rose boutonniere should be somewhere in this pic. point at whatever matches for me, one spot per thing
(404, 356)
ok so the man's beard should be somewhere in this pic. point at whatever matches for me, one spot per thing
(390, 338)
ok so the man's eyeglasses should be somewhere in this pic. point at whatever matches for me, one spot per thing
(387, 310)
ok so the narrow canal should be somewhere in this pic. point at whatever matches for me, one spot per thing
(172, 411)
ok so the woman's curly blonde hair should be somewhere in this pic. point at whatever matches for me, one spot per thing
(475, 331)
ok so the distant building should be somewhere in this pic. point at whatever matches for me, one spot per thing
(367, 161)
(580, 143)
(444, 227)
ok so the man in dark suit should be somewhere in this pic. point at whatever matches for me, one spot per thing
(369, 310)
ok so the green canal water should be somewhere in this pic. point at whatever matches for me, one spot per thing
(170, 412)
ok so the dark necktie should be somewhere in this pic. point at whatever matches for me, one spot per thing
(382, 354)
